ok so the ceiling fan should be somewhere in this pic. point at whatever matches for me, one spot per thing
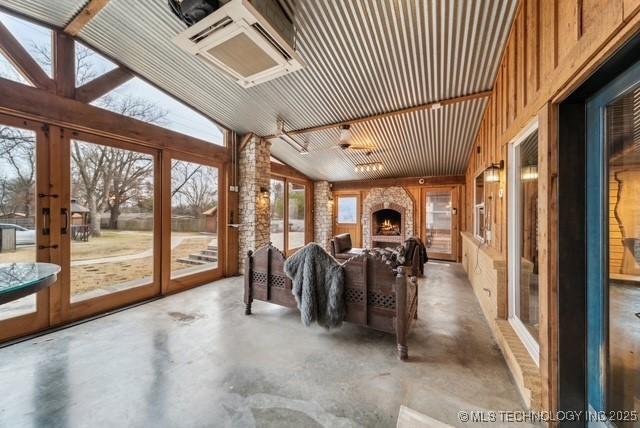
(344, 143)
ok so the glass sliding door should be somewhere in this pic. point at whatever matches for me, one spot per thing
(25, 217)
(296, 216)
(523, 239)
(18, 210)
(613, 250)
(111, 219)
(194, 218)
(439, 223)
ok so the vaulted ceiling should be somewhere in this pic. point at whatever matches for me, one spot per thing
(363, 57)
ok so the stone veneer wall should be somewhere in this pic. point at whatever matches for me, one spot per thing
(255, 172)
(322, 214)
(386, 195)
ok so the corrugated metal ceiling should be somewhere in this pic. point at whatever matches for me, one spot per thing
(57, 13)
(363, 57)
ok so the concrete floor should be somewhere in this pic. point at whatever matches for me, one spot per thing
(194, 360)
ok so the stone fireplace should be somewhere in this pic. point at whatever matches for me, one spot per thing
(386, 224)
(387, 217)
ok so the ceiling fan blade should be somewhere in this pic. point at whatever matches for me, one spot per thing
(365, 148)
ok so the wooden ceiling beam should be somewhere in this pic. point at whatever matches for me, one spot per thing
(435, 104)
(245, 140)
(102, 85)
(23, 61)
(83, 17)
(365, 184)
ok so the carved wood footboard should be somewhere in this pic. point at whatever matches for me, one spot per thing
(375, 296)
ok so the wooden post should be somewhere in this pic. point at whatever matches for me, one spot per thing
(64, 65)
(401, 314)
(365, 282)
(232, 212)
(248, 268)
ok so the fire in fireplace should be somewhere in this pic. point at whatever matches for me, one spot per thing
(387, 222)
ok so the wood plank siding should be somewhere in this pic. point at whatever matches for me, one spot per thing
(553, 47)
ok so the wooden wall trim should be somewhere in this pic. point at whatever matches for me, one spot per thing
(36, 104)
(548, 254)
(403, 181)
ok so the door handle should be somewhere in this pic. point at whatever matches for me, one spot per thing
(45, 247)
(46, 221)
(638, 314)
(65, 213)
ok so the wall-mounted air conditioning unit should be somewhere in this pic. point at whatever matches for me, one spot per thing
(250, 40)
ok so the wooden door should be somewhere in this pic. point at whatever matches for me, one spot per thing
(440, 222)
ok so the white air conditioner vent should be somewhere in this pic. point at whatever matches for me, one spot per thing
(239, 40)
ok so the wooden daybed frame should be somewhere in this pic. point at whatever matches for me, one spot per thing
(390, 305)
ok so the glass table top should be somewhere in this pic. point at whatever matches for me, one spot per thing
(16, 276)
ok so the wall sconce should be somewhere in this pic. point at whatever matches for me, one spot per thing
(529, 173)
(264, 192)
(492, 173)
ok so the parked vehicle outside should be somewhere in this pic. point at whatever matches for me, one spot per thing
(24, 236)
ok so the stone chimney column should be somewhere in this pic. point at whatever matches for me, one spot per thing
(255, 209)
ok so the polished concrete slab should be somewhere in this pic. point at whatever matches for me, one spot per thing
(195, 360)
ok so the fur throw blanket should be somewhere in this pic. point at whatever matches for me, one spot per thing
(318, 285)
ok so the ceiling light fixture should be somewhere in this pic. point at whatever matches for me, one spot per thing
(369, 167)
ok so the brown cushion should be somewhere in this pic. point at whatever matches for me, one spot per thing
(342, 243)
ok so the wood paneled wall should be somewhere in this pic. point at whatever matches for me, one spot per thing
(361, 190)
(553, 45)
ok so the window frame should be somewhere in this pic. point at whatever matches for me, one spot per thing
(477, 207)
(514, 228)
(186, 281)
(357, 215)
(308, 211)
(288, 183)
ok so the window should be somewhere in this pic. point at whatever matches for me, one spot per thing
(17, 207)
(111, 220)
(277, 213)
(140, 100)
(296, 216)
(288, 200)
(478, 208)
(194, 218)
(347, 210)
(34, 39)
(90, 64)
(523, 239)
